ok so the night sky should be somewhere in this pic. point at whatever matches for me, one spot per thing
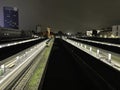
(67, 15)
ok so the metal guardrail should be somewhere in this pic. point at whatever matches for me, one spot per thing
(17, 42)
(103, 56)
(98, 42)
(19, 64)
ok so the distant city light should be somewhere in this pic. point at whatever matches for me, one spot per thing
(68, 33)
(15, 9)
(112, 36)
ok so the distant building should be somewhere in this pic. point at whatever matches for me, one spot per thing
(116, 31)
(11, 17)
(79, 34)
(38, 28)
(48, 32)
(89, 33)
(105, 33)
(92, 33)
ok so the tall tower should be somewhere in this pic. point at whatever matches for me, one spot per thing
(48, 32)
(11, 17)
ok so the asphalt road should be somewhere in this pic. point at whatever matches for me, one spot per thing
(65, 73)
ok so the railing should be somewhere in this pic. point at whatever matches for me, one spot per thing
(105, 56)
(11, 70)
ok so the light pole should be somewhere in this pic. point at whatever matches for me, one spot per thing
(98, 52)
(109, 57)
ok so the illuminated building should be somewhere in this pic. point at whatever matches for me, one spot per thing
(116, 30)
(105, 34)
(89, 33)
(11, 17)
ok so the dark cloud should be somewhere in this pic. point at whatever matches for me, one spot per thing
(79, 15)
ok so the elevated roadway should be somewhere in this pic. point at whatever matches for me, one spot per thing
(101, 54)
(19, 61)
(104, 45)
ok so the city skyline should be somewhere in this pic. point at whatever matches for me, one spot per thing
(64, 15)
